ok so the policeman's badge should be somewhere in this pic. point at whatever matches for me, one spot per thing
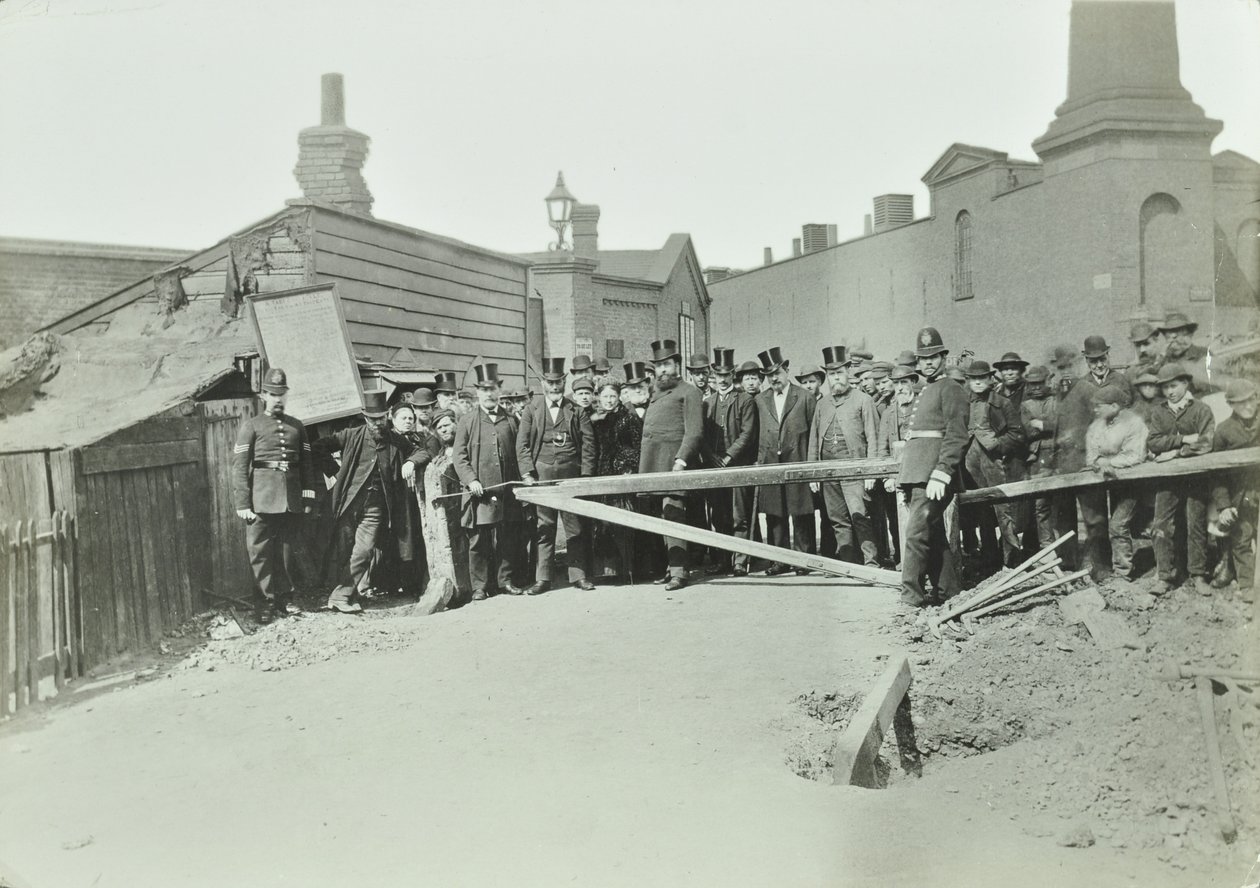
(925, 338)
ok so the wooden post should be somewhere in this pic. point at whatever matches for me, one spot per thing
(853, 756)
(32, 612)
(58, 604)
(21, 623)
(1212, 745)
(6, 599)
(74, 614)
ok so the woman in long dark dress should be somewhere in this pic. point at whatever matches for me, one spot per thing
(618, 437)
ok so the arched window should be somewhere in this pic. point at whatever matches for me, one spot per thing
(1247, 251)
(1159, 248)
(962, 256)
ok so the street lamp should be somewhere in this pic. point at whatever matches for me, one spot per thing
(560, 210)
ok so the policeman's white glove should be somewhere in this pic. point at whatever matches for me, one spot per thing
(475, 488)
(408, 471)
(679, 465)
(814, 486)
(890, 485)
(869, 484)
(248, 515)
(935, 489)
(527, 479)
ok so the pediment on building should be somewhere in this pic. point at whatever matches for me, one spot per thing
(960, 160)
(1234, 160)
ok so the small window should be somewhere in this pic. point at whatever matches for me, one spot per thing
(614, 349)
(962, 256)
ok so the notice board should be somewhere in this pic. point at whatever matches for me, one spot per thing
(303, 332)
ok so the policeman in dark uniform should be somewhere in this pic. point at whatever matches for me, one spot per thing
(930, 469)
(273, 485)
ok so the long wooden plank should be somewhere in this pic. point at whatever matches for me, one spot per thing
(363, 308)
(1206, 698)
(8, 565)
(420, 243)
(158, 523)
(853, 756)
(186, 545)
(155, 430)
(21, 620)
(33, 671)
(74, 620)
(1224, 460)
(92, 585)
(713, 479)
(355, 269)
(380, 255)
(137, 457)
(119, 555)
(140, 532)
(652, 524)
(58, 602)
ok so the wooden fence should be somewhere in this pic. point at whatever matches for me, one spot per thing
(40, 620)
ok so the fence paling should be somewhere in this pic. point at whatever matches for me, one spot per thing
(58, 605)
(32, 613)
(6, 596)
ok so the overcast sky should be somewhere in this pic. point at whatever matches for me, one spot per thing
(174, 122)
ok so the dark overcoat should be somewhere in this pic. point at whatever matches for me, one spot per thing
(785, 439)
(395, 451)
(730, 429)
(673, 428)
(618, 438)
(485, 451)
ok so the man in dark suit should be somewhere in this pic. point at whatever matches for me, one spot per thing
(730, 439)
(273, 485)
(368, 496)
(485, 460)
(555, 441)
(931, 466)
(784, 414)
(673, 432)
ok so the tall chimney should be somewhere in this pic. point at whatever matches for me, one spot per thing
(586, 230)
(767, 256)
(796, 246)
(331, 155)
(868, 227)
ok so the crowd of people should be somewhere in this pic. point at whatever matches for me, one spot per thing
(455, 456)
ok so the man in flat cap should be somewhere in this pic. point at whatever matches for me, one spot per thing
(1234, 496)
(1116, 439)
(931, 467)
(844, 427)
(485, 459)
(784, 415)
(994, 453)
(1181, 426)
(1039, 415)
(673, 433)
(730, 439)
(273, 486)
(1010, 369)
(556, 441)
(368, 497)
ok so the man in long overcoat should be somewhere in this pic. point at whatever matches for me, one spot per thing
(673, 431)
(555, 440)
(485, 460)
(368, 495)
(784, 415)
(730, 439)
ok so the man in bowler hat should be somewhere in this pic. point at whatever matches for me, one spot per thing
(273, 486)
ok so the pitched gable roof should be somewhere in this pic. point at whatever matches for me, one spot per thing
(960, 160)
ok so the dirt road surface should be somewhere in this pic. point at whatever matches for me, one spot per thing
(624, 737)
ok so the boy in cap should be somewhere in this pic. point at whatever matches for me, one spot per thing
(1235, 498)
(1181, 426)
(1039, 415)
(1116, 439)
(996, 442)
(273, 486)
(931, 467)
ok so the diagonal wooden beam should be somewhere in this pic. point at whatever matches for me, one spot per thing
(553, 498)
(1153, 472)
(853, 756)
(735, 476)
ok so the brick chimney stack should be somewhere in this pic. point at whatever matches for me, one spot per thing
(331, 155)
(585, 222)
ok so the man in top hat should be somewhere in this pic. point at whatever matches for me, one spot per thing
(812, 380)
(1180, 347)
(1234, 496)
(1148, 345)
(858, 357)
(907, 359)
(784, 415)
(1181, 426)
(1010, 368)
(273, 485)
(931, 468)
(730, 439)
(698, 372)
(844, 427)
(673, 434)
(367, 497)
(556, 441)
(485, 459)
(447, 391)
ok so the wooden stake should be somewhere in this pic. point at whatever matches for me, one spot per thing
(1207, 713)
(6, 597)
(853, 756)
(1044, 587)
